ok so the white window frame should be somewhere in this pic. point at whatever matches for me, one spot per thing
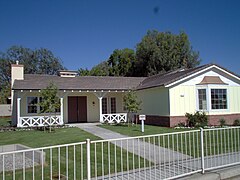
(219, 110)
(208, 88)
(207, 104)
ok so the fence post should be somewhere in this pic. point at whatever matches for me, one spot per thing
(202, 150)
(88, 160)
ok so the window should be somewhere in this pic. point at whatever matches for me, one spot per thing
(104, 105)
(34, 107)
(32, 104)
(219, 98)
(113, 105)
(202, 99)
(57, 110)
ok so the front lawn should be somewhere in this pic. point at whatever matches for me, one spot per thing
(187, 141)
(103, 154)
(37, 138)
(135, 130)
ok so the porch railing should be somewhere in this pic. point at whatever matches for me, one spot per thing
(113, 118)
(160, 156)
(38, 121)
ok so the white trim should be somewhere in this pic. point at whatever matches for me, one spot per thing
(18, 111)
(219, 110)
(61, 110)
(197, 98)
(100, 108)
(209, 99)
(199, 72)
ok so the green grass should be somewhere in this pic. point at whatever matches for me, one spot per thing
(135, 130)
(215, 142)
(34, 138)
(5, 121)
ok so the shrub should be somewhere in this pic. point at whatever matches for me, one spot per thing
(181, 124)
(236, 122)
(198, 119)
(222, 122)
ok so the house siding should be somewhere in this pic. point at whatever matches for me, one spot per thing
(234, 99)
(155, 101)
(182, 100)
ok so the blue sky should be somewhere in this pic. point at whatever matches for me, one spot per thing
(85, 32)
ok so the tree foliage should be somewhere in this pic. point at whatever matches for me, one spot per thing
(131, 102)
(38, 61)
(49, 99)
(162, 52)
(50, 102)
(156, 53)
(101, 69)
(5, 93)
(121, 62)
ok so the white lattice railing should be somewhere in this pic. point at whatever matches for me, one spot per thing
(36, 121)
(113, 118)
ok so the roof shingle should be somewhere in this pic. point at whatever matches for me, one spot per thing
(37, 82)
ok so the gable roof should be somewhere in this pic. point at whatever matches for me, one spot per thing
(37, 82)
(168, 78)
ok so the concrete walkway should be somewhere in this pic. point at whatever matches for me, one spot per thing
(148, 151)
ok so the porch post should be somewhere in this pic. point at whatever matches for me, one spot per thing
(100, 108)
(19, 124)
(100, 95)
(61, 102)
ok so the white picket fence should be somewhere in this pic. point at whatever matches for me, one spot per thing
(161, 156)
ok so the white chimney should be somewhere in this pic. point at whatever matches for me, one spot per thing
(17, 72)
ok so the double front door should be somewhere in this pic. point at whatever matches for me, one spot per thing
(77, 109)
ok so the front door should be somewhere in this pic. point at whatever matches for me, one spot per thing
(77, 109)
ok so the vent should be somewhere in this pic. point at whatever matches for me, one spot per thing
(66, 73)
(211, 80)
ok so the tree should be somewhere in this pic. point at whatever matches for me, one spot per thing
(49, 102)
(5, 93)
(131, 103)
(101, 69)
(120, 62)
(38, 61)
(163, 51)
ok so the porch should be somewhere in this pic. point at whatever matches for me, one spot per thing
(76, 107)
